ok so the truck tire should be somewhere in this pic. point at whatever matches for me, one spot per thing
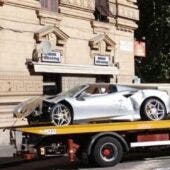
(108, 151)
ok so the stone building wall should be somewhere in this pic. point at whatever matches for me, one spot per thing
(75, 25)
(70, 82)
(20, 84)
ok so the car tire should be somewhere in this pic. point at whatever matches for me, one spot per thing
(108, 151)
(153, 109)
(61, 115)
(33, 120)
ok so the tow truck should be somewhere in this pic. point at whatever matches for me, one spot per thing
(101, 143)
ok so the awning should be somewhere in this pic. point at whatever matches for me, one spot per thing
(41, 67)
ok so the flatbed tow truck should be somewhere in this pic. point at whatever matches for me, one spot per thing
(102, 143)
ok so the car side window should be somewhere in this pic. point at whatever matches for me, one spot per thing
(92, 90)
(95, 90)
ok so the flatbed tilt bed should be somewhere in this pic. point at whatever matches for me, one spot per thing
(102, 143)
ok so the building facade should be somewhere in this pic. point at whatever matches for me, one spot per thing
(47, 46)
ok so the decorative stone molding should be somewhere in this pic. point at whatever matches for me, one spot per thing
(49, 18)
(84, 4)
(33, 4)
(127, 12)
(78, 8)
(126, 25)
(112, 20)
(103, 45)
(112, 8)
(56, 38)
(124, 13)
(130, 3)
(2, 2)
(100, 27)
(44, 33)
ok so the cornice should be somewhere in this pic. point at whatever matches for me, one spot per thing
(48, 17)
(127, 12)
(128, 3)
(126, 25)
(100, 26)
(78, 8)
(31, 4)
(2, 2)
(79, 4)
(74, 69)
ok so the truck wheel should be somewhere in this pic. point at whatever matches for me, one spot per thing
(153, 109)
(107, 152)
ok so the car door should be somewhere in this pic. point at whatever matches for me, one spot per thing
(98, 106)
(126, 106)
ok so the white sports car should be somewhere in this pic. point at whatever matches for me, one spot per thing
(98, 102)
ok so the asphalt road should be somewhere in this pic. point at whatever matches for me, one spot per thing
(149, 160)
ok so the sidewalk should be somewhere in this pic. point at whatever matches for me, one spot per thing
(6, 155)
(7, 151)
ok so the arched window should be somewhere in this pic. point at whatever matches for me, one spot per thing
(51, 5)
(101, 10)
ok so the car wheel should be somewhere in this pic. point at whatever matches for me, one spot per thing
(153, 109)
(107, 152)
(61, 115)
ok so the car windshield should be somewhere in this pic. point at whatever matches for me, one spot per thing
(73, 91)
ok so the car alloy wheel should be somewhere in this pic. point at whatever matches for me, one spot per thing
(154, 109)
(61, 115)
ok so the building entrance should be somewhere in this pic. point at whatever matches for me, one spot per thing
(51, 84)
(103, 79)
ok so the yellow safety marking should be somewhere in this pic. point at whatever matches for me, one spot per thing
(102, 127)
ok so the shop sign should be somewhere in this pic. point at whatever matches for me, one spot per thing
(54, 57)
(140, 50)
(101, 60)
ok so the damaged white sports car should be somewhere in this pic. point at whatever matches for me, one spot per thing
(97, 102)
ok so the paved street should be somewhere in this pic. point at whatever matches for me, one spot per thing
(150, 160)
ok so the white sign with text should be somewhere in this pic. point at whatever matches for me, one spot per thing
(101, 60)
(54, 57)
